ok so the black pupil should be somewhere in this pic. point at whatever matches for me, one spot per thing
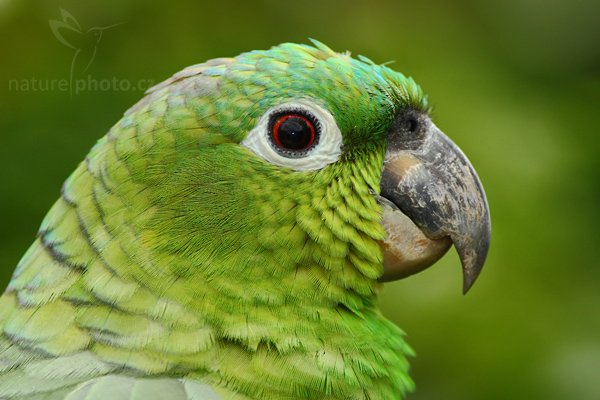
(294, 133)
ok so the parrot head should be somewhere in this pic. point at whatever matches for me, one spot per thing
(234, 228)
(299, 156)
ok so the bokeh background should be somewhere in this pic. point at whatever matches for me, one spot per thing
(515, 83)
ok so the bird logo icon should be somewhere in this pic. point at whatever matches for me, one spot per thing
(84, 42)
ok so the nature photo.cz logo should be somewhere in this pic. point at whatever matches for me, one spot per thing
(84, 44)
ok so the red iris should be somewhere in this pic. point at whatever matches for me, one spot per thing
(293, 132)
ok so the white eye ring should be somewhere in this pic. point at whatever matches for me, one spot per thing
(325, 150)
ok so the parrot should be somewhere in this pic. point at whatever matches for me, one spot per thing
(230, 236)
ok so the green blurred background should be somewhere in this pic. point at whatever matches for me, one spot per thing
(515, 83)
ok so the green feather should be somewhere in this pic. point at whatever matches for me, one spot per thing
(175, 253)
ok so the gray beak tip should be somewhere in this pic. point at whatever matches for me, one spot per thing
(470, 275)
(473, 253)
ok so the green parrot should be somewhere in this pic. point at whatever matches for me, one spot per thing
(229, 236)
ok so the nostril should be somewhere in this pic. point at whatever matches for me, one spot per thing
(412, 124)
(409, 129)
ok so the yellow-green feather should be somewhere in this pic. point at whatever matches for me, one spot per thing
(176, 253)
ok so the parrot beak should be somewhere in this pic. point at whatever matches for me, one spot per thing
(431, 198)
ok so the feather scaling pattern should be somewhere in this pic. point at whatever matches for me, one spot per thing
(177, 264)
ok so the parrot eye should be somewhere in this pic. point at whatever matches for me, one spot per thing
(300, 135)
(293, 133)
